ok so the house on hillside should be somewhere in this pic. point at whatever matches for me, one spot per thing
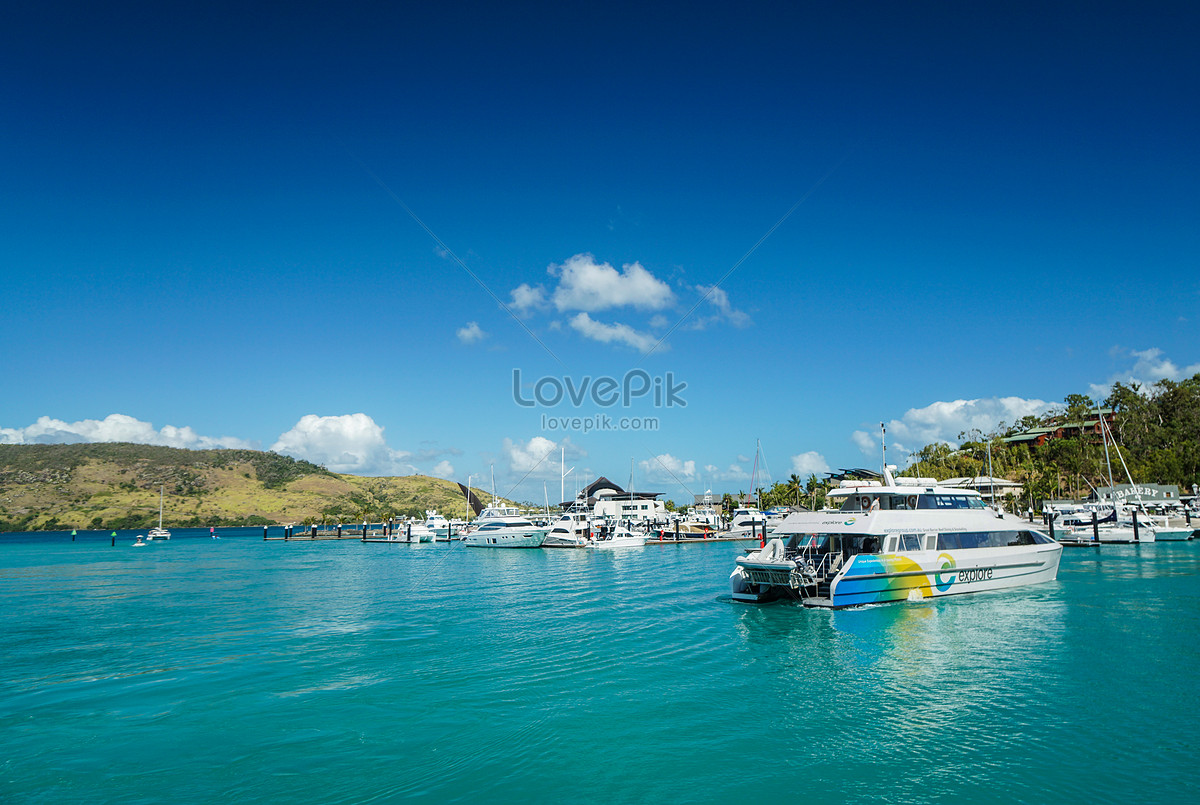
(1090, 428)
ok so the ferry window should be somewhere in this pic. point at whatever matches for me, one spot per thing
(1020, 538)
(976, 503)
(948, 542)
(973, 539)
(910, 542)
(926, 502)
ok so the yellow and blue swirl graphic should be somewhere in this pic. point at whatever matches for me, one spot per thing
(876, 579)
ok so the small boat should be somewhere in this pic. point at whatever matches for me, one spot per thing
(620, 537)
(159, 532)
(438, 523)
(747, 520)
(412, 531)
(689, 529)
(571, 530)
(895, 543)
(139, 542)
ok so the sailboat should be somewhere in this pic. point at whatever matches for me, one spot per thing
(1134, 529)
(159, 532)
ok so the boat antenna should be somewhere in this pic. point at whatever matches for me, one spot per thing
(883, 442)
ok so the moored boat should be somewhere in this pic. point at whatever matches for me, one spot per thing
(500, 526)
(571, 530)
(438, 524)
(895, 543)
(619, 537)
(159, 533)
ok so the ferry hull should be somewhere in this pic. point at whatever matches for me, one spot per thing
(882, 579)
(886, 578)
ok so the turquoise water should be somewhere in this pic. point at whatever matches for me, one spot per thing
(341, 672)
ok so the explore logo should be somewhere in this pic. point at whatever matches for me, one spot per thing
(948, 568)
(604, 391)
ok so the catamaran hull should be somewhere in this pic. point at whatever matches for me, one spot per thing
(886, 578)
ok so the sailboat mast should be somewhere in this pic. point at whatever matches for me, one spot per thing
(1108, 463)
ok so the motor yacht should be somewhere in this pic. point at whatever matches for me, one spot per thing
(500, 526)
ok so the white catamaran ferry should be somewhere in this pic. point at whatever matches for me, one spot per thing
(896, 543)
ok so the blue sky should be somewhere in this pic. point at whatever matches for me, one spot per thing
(337, 230)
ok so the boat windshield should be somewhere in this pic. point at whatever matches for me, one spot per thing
(506, 524)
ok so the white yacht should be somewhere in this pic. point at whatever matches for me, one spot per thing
(411, 531)
(500, 526)
(159, 532)
(572, 530)
(896, 543)
(438, 524)
(746, 520)
(619, 537)
(1118, 530)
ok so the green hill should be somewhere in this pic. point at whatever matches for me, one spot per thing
(116, 485)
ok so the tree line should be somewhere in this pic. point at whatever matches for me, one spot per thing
(1155, 430)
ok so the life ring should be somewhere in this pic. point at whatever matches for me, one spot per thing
(866, 503)
(912, 501)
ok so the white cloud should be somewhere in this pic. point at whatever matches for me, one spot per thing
(115, 428)
(350, 443)
(609, 333)
(667, 467)
(810, 463)
(443, 469)
(1148, 369)
(526, 298)
(943, 421)
(539, 457)
(725, 311)
(587, 285)
(471, 334)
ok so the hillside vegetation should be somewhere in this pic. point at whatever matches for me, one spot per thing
(1156, 432)
(116, 485)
